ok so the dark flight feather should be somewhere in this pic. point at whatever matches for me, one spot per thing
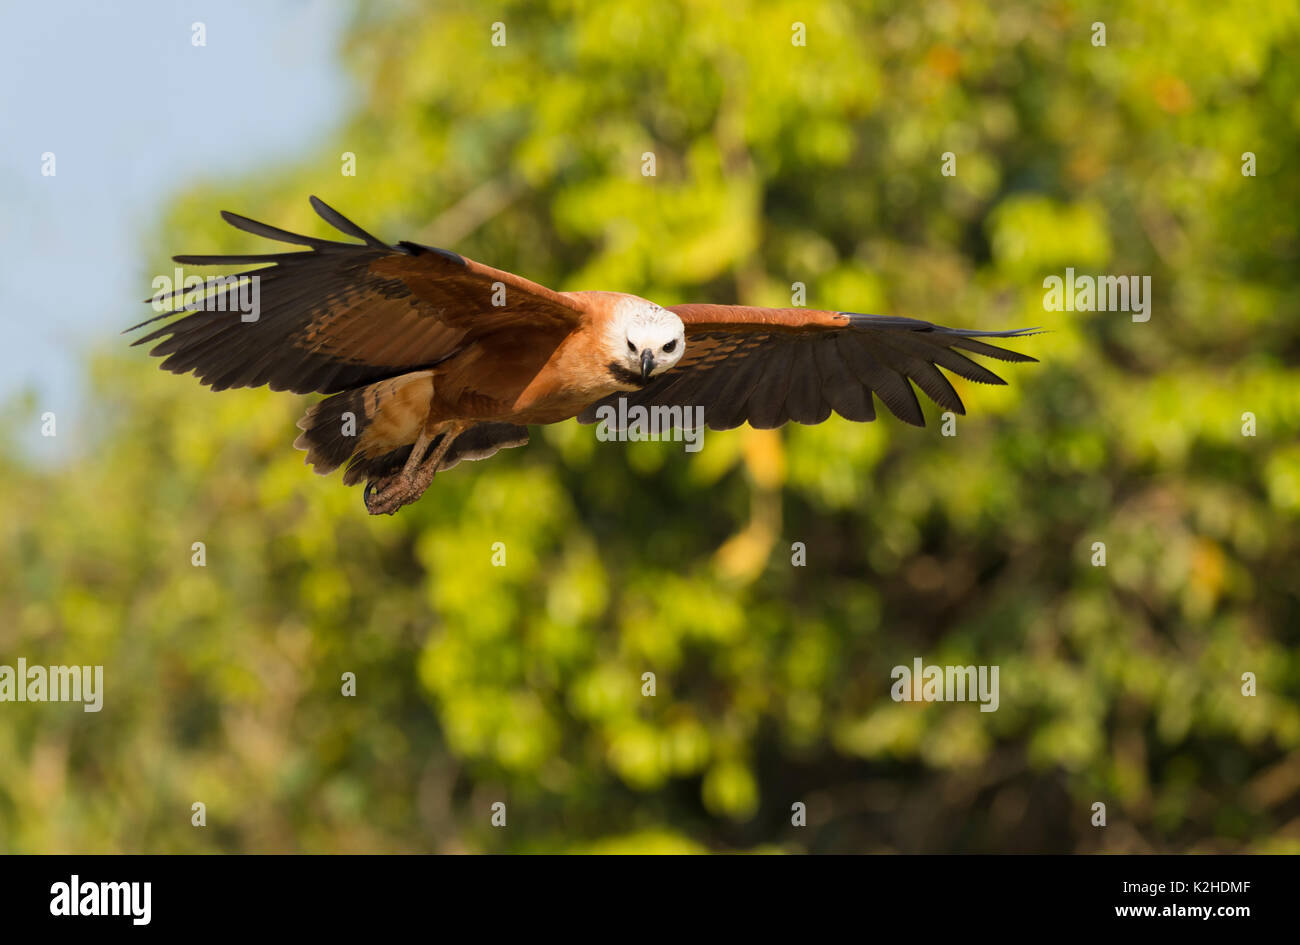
(341, 315)
(768, 366)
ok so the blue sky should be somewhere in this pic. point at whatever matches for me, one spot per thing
(133, 112)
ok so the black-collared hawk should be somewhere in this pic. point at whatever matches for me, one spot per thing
(430, 358)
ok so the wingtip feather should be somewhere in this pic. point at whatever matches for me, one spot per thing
(342, 223)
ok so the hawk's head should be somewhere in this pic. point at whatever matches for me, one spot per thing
(643, 341)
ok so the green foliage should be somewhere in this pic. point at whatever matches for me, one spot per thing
(523, 683)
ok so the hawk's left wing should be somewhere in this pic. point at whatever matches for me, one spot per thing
(770, 365)
(342, 315)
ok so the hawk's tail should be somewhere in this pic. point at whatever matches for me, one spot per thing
(373, 428)
(332, 429)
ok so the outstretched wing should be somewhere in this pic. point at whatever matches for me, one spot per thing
(770, 365)
(340, 315)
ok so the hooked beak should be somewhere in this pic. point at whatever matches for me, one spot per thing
(647, 364)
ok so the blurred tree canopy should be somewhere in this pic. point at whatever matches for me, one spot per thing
(775, 163)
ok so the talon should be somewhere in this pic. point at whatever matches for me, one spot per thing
(378, 497)
(385, 496)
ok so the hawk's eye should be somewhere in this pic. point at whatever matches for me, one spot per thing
(631, 347)
(668, 348)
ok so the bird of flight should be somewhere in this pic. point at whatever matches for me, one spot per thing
(430, 358)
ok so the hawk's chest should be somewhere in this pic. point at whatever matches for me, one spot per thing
(575, 374)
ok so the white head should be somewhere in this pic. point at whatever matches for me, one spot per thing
(644, 339)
